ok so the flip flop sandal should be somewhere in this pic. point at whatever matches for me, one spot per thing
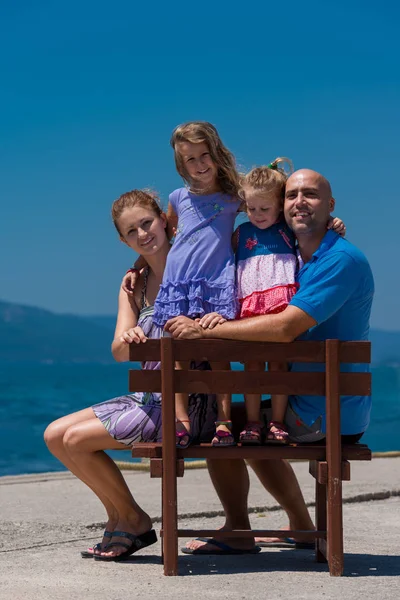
(138, 543)
(222, 435)
(223, 548)
(288, 543)
(181, 434)
(88, 554)
(251, 434)
(280, 432)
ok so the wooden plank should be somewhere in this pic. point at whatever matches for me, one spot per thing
(334, 459)
(236, 351)
(151, 350)
(144, 381)
(170, 513)
(310, 351)
(291, 451)
(319, 470)
(320, 518)
(156, 468)
(236, 382)
(243, 533)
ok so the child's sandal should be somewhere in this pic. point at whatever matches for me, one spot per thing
(221, 436)
(182, 434)
(251, 434)
(279, 435)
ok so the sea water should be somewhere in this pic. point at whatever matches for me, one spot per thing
(31, 396)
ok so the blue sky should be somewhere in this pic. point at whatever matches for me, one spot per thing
(90, 92)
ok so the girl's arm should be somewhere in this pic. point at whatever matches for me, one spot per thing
(126, 330)
(337, 225)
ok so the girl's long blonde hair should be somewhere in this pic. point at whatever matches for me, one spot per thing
(196, 132)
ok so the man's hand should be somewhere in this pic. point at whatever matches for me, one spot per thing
(184, 329)
(129, 281)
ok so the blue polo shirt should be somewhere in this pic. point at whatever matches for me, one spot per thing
(336, 290)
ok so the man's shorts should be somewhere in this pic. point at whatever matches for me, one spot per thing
(298, 431)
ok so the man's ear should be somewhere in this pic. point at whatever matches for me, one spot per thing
(332, 203)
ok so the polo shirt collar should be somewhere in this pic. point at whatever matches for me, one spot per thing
(326, 243)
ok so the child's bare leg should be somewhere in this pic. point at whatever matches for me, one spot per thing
(181, 412)
(252, 432)
(223, 435)
(277, 430)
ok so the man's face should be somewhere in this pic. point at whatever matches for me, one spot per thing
(308, 203)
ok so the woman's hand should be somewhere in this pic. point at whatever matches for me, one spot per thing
(134, 334)
(129, 281)
(210, 320)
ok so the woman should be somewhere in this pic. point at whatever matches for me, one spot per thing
(79, 440)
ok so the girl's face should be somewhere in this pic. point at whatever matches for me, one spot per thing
(142, 230)
(262, 209)
(198, 164)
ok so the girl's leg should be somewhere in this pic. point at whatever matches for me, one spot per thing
(252, 432)
(84, 443)
(181, 413)
(223, 436)
(277, 430)
(54, 438)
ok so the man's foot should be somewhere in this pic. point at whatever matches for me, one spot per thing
(223, 435)
(272, 542)
(206, 545)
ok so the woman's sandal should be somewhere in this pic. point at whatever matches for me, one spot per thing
(220, 437)
(251, 434)
(182, 434)
(279, 436)
(90, 552)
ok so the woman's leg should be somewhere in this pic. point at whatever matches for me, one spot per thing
(54, 438)
(84, 443)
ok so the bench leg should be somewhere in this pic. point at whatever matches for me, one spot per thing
(320, 520)
(335, 527)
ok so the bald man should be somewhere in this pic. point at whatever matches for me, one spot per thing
(334, 301)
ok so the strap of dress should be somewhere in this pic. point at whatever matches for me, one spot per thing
(143, 302)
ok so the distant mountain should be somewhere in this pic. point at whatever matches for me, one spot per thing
(29, 334)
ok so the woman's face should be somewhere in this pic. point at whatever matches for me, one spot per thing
(142, 230)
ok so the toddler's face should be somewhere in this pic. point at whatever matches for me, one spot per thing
(263, 209)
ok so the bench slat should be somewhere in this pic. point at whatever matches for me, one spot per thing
(291, 451)
(235, 351)
(235, 382)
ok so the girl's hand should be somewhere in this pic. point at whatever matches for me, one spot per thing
(135, 334)
(211, 320)
(129, 281)
(337, 225)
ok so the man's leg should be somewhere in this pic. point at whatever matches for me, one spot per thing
(231, 481)
(279, 479)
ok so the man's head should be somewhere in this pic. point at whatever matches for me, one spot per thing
(308, 203)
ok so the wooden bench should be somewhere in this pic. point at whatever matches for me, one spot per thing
(329, 464)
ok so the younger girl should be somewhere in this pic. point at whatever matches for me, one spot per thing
(199, 276)
(266, 268)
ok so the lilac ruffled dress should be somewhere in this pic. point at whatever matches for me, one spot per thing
(199, 276)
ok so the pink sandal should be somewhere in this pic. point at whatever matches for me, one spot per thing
(182, 434)
(251, 434)
(279, 436)
(221, 437)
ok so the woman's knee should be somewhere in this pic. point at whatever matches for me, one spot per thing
(54, 434)
(74, 438)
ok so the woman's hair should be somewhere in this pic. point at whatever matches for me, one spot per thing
(202, 131)
(269, 179)
(144, 198)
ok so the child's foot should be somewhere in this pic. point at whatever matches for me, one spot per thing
(251, 434)
(277, 433)
(183, 437)
(223, 435)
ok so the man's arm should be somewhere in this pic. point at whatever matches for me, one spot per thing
(282, 327)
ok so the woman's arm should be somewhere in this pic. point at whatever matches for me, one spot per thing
(172, 221)
(127, 319)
